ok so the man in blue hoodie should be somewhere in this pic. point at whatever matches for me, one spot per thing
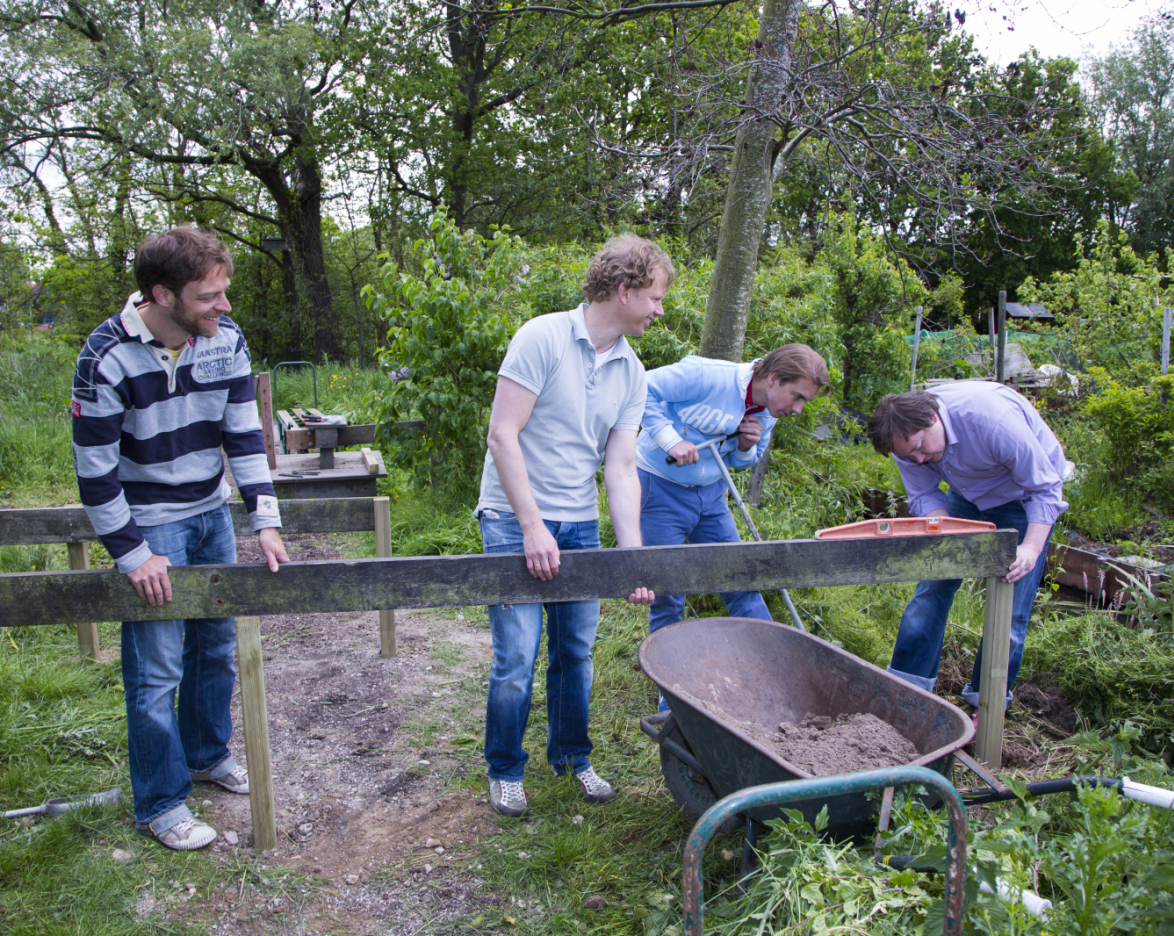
(694, 402)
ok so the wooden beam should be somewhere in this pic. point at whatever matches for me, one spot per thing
(87, 631)
(28, 527)
(256, 723)
(265, 409)
(328, 436)
(457, 581)
(992, 678)
(383, 551)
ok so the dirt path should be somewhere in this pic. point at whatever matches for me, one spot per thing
(368, 758)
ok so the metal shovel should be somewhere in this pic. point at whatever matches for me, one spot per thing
(63, 804)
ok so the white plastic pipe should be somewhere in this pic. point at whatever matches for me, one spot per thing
(1032, 902)
(1151, 795)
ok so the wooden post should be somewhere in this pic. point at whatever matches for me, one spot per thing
(256, 724)
(992, 679)
(265, 407)
(916, 347)
(87, 634)
(383, 551)
(1002, 352)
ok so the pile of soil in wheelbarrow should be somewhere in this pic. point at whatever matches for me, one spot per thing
(825, 746)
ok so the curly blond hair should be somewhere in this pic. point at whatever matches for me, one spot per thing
(627, 260)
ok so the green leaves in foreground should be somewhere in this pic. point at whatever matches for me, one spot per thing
(1105, 864)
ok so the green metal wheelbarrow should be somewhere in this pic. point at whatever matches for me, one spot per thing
(714, 672)
(718, 672)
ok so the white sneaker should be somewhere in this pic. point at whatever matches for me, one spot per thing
(508, 797)
(235, 782)
(595, 788)
(187, 835)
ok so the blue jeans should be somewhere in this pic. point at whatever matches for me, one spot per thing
(517, 630)
(672, 514)
(191, 659)
(918, 651)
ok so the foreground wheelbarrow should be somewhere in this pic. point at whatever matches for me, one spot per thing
(715, 672)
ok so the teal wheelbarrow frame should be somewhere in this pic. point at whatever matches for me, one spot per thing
(721, 813)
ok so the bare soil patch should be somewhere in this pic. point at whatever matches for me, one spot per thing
(368, 759)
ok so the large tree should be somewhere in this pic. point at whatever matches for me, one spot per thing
(892, 94)
(1133, 96)
(202, 91)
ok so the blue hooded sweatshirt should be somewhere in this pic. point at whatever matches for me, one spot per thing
(695, 400)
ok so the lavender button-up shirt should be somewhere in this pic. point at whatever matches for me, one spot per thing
(998, 450)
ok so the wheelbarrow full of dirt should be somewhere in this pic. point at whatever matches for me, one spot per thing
(730, 682)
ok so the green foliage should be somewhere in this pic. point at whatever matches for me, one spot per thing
(36, 454)
(449, 326)
(872, 299)
(1108, 307)
(1137, 423)
(1131, 95)
(1113, 674)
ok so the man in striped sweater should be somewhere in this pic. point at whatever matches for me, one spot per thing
(159, 390)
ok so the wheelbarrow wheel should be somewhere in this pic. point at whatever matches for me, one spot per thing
(689, 789)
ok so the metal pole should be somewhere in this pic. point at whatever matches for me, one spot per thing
(1166, 341)
(753, 530)
(1002, 352)
(916, 345)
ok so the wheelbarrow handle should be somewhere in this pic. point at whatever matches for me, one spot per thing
(779, 794)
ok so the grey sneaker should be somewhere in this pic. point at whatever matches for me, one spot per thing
(235, 782)
(187, 835)
(595, 788)
(508, 797)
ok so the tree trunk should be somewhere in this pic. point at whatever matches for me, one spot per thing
(748, 195)
(307, 185)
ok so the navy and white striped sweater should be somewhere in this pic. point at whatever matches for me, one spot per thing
(147, 437)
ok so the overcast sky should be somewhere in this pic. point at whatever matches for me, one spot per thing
(1077, 29)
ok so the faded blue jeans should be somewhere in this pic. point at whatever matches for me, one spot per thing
(193, 660)
(918, 651)
(673, 514)
(517, 630)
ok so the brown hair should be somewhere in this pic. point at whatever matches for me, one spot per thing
(177, 257)
(795, 362)
(627, 260)
(900, 415)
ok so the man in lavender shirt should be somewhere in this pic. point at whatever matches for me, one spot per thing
(1003, 465)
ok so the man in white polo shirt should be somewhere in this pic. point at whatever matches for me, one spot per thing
(570, 394)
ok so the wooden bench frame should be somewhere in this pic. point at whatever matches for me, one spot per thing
(248, 590)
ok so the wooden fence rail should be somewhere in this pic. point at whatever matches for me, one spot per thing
(248, 590)
(70, 525)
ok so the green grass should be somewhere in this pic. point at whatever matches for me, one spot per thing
(62, 730)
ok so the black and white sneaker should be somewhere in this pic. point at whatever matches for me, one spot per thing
(508, 797)
(595, 788)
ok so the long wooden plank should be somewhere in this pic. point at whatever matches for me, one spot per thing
(446, 581)
(27, 527)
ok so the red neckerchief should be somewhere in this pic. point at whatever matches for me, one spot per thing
(751, 409)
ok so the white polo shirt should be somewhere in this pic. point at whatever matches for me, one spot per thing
(578, 405)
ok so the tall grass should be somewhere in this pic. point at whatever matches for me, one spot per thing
(36, 460)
